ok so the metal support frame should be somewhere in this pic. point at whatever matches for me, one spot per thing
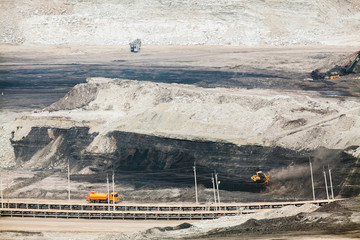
(113, 185)
(217, 186)
(196, 192)
(68, 166)
(312, 180)
(108, 190)
(326, 186)
(331, 185)
(2, 192)
(213, 183)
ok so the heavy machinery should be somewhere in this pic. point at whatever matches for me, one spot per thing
(260, 178)
(102, 197)
(337, 71)
(135, 45)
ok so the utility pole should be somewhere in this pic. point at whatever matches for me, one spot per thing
(217, 186)
(326, 186)
(331, 185)
(1, 188)
(113, 185)
(312, 180)
(213, 183)
(68, 180)
(196, 193)
(108, 189)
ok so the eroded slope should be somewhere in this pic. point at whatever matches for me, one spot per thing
(150, 127)
(292, 120)
(168, 22)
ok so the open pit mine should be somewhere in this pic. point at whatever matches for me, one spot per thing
(151, 134)
(243, 110)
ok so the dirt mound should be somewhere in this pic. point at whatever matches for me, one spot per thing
(81, 95)
(301, 224)
(186, 112)
(334, 207)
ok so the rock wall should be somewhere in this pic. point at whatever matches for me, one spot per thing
(181, 22)
(50, 148)
(144, 128)
(168, 162)
(238, 116)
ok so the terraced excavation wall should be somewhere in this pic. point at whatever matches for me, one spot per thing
(154, 161)
(181, 22)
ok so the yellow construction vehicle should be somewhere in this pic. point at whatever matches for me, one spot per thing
(260, 178)
(337, 71)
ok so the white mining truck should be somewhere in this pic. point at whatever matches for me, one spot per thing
(135, 45)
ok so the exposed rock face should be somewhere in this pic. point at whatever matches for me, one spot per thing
(238, 116)
(142, 126)
(83, 94)
(51, 147)
(131, 152)
(167, 22)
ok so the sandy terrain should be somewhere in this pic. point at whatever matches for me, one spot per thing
(333, 221)
(168, 22)
(266, 69)
(80, 225)
(209, 67)
(255, 84)
(227, 71)
(136, 229)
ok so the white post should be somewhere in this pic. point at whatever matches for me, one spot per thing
(196, 193)
(312, 180)
(213, 183)
(326, 186)
(2, 196)
(331, 185)
(68, 180)
(217, 186)
(113, 177)
(108, 190)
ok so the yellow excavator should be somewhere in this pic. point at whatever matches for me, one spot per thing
(261, 178)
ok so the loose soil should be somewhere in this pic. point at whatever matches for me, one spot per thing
(42, 75)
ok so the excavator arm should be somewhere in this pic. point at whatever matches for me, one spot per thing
(349, 66)
(338, 70)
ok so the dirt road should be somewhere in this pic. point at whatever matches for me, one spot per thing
(80, 225)
(35, 77)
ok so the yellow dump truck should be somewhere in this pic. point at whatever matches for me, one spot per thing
(95, 197)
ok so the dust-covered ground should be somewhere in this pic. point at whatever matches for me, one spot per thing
(32, 78)
(337, 220)
(282, 42)
(35, 77)
(181, 22)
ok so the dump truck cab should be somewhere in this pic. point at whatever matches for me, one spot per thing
(114, 196)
